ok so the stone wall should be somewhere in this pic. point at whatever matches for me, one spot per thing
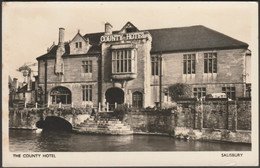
(210, 120)
(150, 121)
(27, 118)
(73, 71)
(244, 115)
(230, 68)
(73, 77)
(222, 114)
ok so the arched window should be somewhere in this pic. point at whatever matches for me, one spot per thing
(60, 94)
(137, 100)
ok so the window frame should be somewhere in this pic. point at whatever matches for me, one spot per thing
(189, 63)
(123, 61)
(137, 99)
(202, 91)
(230, 91)
(86, 91)
(155, 65)
(78, 44)
(87, 66)
(210, 59)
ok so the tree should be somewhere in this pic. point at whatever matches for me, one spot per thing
(180, 90)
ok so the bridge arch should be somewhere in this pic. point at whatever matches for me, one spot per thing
(54, 123)
(60, 94)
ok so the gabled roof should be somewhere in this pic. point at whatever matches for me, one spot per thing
(191, 38)
(80, 36)
(129, 25)
(179, 39)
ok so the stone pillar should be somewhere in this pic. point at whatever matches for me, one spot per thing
(99, 107)
(201, 116)
(195, 115)
(235, 119)
(232, 110)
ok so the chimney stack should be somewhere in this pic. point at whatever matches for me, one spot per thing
(108, 28)
(15, 83)
(87, 39)
(61, 35)
(60, 51)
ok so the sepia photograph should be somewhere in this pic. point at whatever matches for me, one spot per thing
(130, 84)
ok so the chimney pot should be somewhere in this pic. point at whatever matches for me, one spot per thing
(108, 28)
(61, 35)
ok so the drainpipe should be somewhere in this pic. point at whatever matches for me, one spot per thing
(100, 79)
(160, 81)
(45, 83)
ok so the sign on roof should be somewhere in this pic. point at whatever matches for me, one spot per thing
(120, 37)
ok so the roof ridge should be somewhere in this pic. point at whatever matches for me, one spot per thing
(149, 29)
(167, 28)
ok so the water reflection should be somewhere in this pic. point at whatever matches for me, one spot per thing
(47, 141)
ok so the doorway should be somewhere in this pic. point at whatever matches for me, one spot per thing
(114, 95)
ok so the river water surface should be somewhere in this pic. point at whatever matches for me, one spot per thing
(53, 141)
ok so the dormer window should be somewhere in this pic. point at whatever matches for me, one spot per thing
(78, 44)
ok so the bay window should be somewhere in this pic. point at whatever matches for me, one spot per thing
(123, 61)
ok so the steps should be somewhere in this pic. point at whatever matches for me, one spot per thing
(103, 125)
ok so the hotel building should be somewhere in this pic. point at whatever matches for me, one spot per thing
(124, 66)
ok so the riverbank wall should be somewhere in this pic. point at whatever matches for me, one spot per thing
(210, 120)
(207, 120)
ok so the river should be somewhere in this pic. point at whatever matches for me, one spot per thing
(54, 141)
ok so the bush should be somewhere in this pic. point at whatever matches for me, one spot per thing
(121, 111)
(180, 90)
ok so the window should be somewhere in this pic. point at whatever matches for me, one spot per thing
(189, 66)
(78, 44)
(87, 66)
(137, 100)
(248, 90)
(210, 62)
(123, 61)
(230, 92)
(87, 92)
(60, 95)
(155, 65)
(130, 30)
(199, 92)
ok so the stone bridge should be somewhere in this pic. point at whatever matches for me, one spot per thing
(28, 118)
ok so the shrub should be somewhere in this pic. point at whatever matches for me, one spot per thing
(121, 111)
(180, 90)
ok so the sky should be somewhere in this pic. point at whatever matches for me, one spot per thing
(29, 28)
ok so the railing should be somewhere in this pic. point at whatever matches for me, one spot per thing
(101, 108)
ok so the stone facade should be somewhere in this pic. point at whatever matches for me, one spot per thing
(231, 66)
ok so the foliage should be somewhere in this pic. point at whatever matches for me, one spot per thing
(121, 111)
(180, 90)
